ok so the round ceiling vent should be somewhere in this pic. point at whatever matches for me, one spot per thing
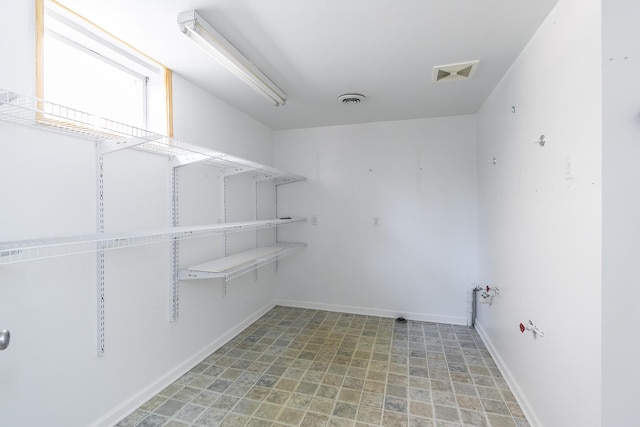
(351, 98)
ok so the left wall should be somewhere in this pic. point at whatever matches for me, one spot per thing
(50, 374)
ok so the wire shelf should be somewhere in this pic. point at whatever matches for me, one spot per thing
(30, 250)
(236, 265)
(38, 113)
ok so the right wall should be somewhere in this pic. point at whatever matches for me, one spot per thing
(620, 212)
(539, 219)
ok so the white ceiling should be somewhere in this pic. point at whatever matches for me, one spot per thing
(316, 50)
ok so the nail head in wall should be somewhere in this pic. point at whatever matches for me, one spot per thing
(5, 338)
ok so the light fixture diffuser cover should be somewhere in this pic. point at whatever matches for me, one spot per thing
(203, 34)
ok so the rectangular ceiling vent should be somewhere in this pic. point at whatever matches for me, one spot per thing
(450, 72)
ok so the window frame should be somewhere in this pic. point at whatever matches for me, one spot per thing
(133, 60)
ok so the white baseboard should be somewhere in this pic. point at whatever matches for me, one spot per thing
(367, 311)
(508, 377)
(137, 400)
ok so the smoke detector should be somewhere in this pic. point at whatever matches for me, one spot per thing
(450, 72)
(351, 98)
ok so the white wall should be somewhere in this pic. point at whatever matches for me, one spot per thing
(18, 71)
(205, 120)
(539, 233)
(621, 210)
(419, 178)
(50, 374)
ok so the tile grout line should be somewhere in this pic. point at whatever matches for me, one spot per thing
(358, 335)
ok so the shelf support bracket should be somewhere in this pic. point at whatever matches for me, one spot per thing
(109, 146)
(100, 251)
(174, 295)
(185, 160)
(255, 217)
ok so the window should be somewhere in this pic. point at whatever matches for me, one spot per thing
(86, 68)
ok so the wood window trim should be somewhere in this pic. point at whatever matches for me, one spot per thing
(39, 52)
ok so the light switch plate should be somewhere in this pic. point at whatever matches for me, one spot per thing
(569, 168)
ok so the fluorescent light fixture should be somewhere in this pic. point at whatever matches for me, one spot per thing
(198, 30)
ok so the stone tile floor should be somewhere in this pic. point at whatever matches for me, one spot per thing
(300, 367)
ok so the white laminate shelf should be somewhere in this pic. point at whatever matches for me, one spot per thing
(114, 136)
(238, 264)
(29, 250)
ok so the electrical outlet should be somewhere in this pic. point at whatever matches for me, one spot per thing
(314, 219)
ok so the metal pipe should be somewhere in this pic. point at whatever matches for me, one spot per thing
(474, 304)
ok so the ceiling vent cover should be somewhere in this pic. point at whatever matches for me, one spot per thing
(450, 72)
(351, 98)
